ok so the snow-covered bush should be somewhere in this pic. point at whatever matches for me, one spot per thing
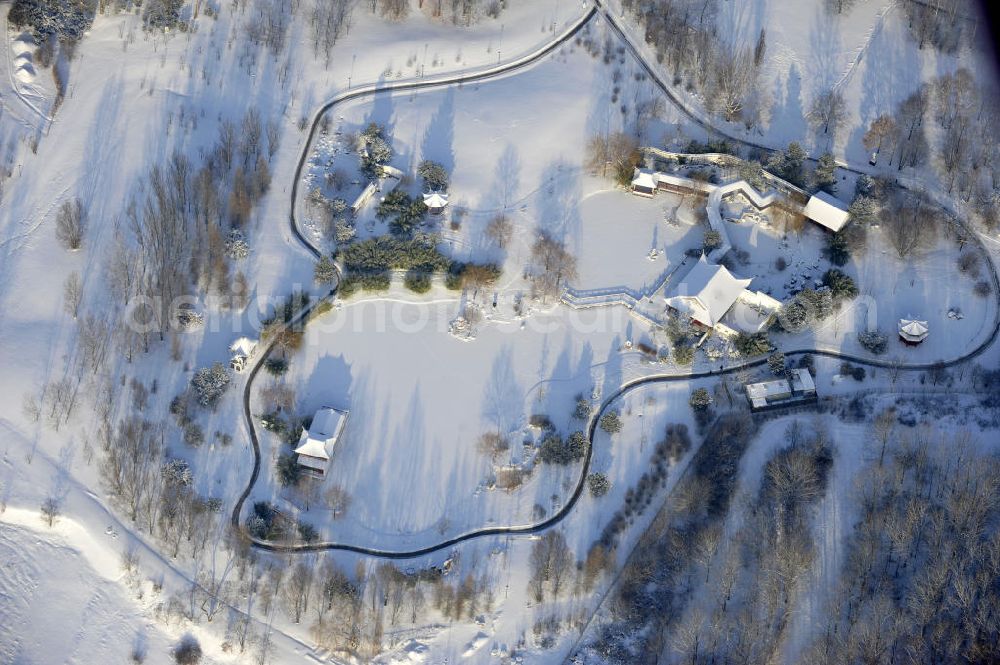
(684, 354)
(193, 435)
(237, 246)
(210, 384)
(66, 19)
(188, 652)
(288, 470)
(611, 422)
(752, 344)
(598, 484)
(434, 175)
(161, 14)
(344, 232)
(776, 363)
(583, 408)
(873, 340)
(324, 272)
(841, 285)
(700, 399)
(418, 281)
(556, 451)
(177, 473)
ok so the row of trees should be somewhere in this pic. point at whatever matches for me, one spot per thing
(921, 578)
(655, 583)
(752, 578)
(182, 220)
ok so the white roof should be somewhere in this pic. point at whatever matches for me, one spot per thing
(802, 381)
(644, 178)
(435, 200)
(913, 330)
(826, 210)
(244, 346)
(318, 441)
(707, 292)
(759, 393)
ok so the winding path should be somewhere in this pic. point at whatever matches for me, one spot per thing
(565, 510)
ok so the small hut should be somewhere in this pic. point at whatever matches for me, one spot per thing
(912, 332)
(241, 351)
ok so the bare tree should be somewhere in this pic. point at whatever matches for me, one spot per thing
(72, 294)
(499, 230)
(51, 509)
(733, 77)
(828, 111)
(553, 265)
(71, 224)
(883, 132)
(914, 223)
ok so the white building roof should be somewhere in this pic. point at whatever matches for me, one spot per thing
(243, 346)
(759, 393)
(644, 178)
(435, 200)
(914, 331)
(802, 381)
(707, 292)
(318, 441)
(826, 210)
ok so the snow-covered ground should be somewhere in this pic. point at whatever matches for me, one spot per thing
(419, 397)
(63, 601)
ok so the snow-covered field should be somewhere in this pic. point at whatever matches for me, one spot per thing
(419, 397)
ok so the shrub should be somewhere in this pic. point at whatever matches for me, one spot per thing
(307, 532)
(611, 422)
(364, 281)
(383, 253)
(193, 435)
(434, 175)
(712, 240)
(418, 281)
(983, 289)
(210, 383)
(325, 272)
(836, 249)
(289, 471)
(71, 222)
(780, 264)
(776, 363)
(276, 366)
(598, 484)
(700, 399)
(752, 344)
(841, 285)
(873, 340)
(856, 372)
(684, 354)
(583, 408)
(188, 651)
(556, 451)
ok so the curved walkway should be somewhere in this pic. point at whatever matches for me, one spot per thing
(562, 513)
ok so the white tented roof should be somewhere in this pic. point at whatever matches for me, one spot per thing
(644, 178)
(826, 210)
(435, 200)
(318, 441)
(913, 330)
(707, 292)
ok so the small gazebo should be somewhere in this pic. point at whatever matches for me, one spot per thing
(436, 202)
(912, 332)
